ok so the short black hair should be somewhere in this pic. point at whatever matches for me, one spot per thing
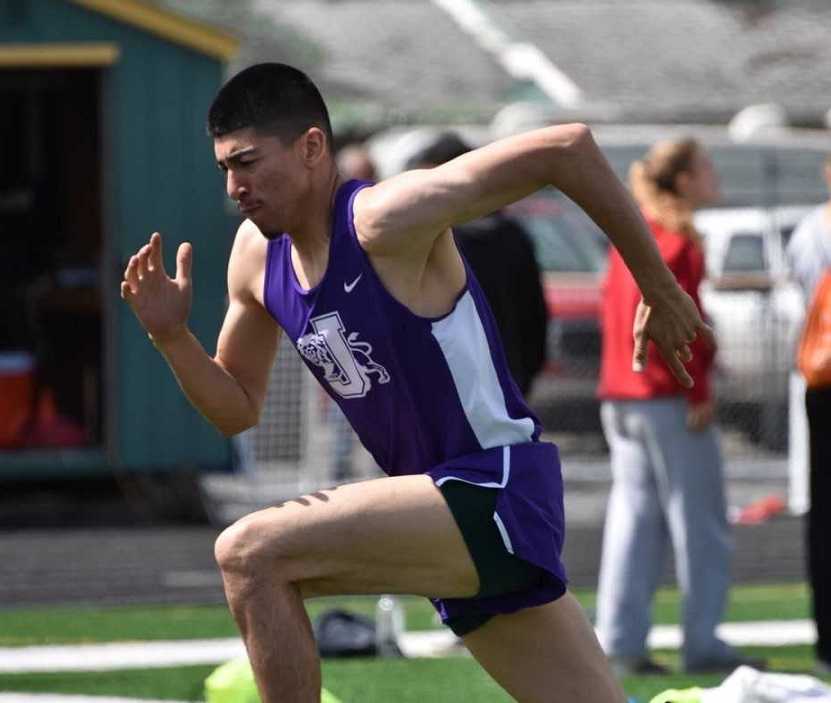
(273, 98)
(446, 147)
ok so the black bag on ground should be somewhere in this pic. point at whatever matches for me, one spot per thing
(340, 633)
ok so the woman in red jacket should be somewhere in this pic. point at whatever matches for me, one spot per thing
(666, 463)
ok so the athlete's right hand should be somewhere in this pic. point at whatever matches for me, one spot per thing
(162, 304)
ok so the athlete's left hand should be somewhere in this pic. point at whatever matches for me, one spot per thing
(672, 322)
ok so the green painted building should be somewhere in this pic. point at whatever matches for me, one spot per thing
(102, 142)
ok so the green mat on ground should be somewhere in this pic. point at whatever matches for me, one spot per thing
(233, 682)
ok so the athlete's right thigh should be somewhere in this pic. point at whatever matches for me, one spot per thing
(547, 654)
(388, 535)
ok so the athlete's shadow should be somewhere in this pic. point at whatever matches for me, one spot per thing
(306, 500)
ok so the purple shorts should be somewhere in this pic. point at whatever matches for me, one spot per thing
(530, 523)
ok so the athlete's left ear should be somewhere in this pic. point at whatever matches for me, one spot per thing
(313, 146)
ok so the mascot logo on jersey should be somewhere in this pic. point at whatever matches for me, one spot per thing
(346, 363)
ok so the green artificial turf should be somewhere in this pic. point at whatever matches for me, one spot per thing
(746, 603)
(31, 626)
(364, 680)
(184, 683)
(374, 680)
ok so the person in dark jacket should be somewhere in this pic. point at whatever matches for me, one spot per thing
(501, 254)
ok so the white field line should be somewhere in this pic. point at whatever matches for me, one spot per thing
(769, 633)
(131, 655)
(111, 656)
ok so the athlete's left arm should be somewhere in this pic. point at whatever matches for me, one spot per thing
(409, 211)
(405, 214)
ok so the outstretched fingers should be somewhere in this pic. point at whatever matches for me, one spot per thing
(151, 262)
(146, 264)
(675, 357)
(143, 258)
(706, 332)
(639, 354)
(672, 335)
(154, 261)
(131, 275)
(184, 263)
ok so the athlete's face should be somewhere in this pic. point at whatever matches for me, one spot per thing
(265, 177)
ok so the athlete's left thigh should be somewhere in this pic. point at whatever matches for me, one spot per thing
(388, 535)
(547, 654)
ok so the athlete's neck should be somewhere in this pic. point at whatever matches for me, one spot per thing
(310, 245)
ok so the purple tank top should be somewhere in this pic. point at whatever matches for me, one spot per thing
(417, 390)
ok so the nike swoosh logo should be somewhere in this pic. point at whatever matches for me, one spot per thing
(349, 286)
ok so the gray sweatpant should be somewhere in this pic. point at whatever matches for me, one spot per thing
(667, 488)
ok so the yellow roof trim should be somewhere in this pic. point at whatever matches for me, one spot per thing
(168, 25)
(58, 55)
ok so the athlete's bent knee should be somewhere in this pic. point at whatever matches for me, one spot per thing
(246, 548)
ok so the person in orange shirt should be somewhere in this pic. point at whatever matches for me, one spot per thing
(667, 476)
(809, 257)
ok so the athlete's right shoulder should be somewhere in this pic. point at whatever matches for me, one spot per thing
(250, 238)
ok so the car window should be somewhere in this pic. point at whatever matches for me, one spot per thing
(745, 253)
(565, 238)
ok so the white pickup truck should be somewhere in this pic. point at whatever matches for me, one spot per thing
(755, 309)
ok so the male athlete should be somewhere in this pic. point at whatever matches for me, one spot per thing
(367, 283)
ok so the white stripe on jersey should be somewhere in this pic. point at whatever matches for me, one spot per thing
(464, 344)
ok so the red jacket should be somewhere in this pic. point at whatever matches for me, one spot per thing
(620, 299)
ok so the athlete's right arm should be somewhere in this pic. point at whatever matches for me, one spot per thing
(229, 388)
